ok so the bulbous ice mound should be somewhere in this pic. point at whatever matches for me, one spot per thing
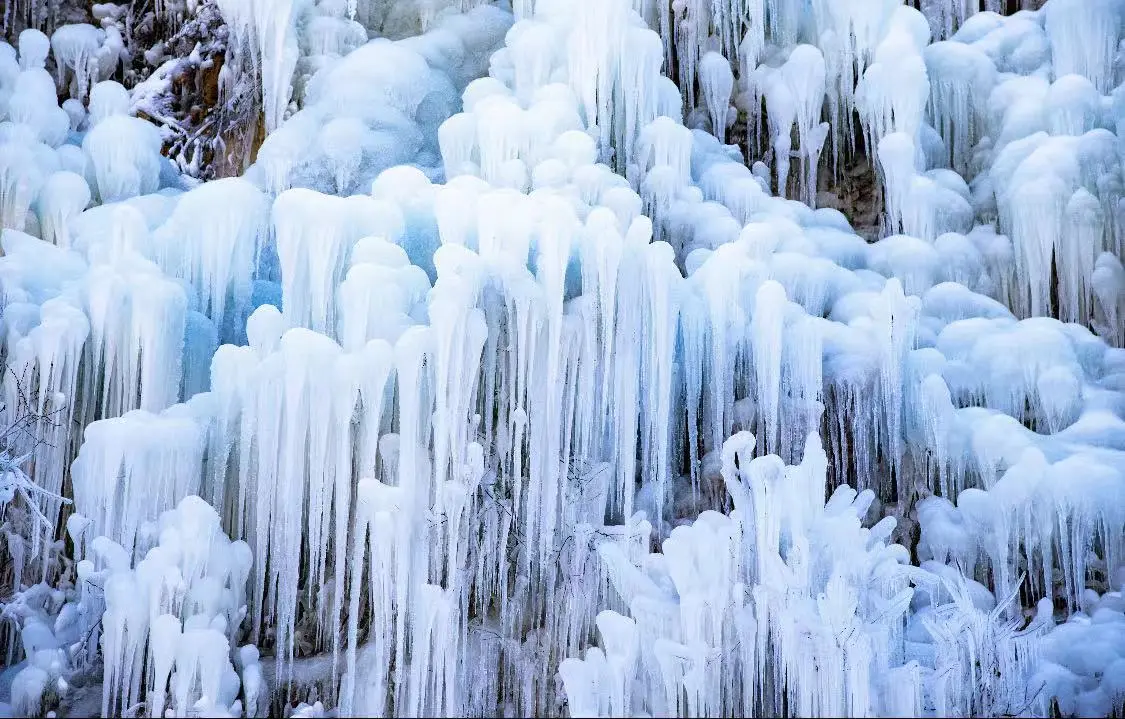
(379, 107)
(180, 603)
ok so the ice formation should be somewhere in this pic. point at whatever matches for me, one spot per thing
(176, 611)
(501, 385)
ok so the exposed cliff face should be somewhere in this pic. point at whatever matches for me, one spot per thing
(208, 112)
(855, 192)
(173, 62)
(852, 188)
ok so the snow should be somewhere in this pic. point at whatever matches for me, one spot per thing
(501, 385)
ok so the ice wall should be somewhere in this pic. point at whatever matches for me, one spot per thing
(460, 402)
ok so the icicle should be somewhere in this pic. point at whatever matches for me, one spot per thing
(74, 48)
(781, 111)
(1086, 42)
(269, 29)
(766, 333)
(214, 239)
(62, 198)
(717, 83)
(893, 92)
(135, 467)
(147, 605)
(313, 235)
(124, 154)
(662, 286)
(1108, 283)
(961, 79)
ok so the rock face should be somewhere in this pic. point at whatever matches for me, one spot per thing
(856, 194)
(211, 123)
(174, 67)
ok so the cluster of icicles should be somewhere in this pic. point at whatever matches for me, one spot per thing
(446, 421)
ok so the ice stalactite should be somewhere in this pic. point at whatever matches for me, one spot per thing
(1086, 42)
(545, 413)
(456, 272)
(1076, 256)
(898, 161)
(1074, 106)
(794, 95)
(502, 136)
(684, 31)
(896, 318)
(136, 466)
(781, 109)
(381, 296)
(1066, 180)
(961, 79)
(664, 155)
(849, 33)
(292, 405)
(63, 196)
(748, 41)
(663, 286)
(921, 203)
(1057, 219)
(1004, 455)
(32, 104)
(314, 235)
(75, 48)
(892, 94)
(216, 251)
(124, 155)
(806, 70)
(532, 46)
(329, 31)
(109, 339)
(44, 341)
(137, 328)
(639, 90)
(946, 17)
(618, 93)
(1108, 281)
(20, 181)
(716, 82)
(34, 126)
(267, 30)
(767, 326)
(691, 29)
(368, 118)
(377, 509)
(803, 365)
